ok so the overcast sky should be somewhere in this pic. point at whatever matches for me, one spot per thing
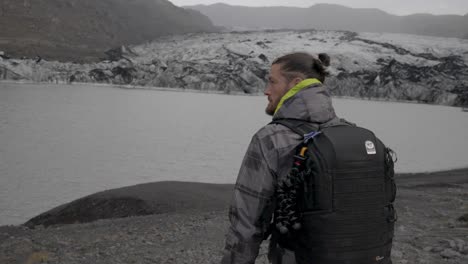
(397, 7)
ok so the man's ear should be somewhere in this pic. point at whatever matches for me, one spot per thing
(297, 80)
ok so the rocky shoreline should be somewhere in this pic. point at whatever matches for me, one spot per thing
(432, 226)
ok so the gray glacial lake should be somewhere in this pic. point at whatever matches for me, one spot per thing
(61, 142)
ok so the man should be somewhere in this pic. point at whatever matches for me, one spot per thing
(294, 91)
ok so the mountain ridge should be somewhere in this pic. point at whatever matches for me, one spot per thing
(334, 17)
(57, 29)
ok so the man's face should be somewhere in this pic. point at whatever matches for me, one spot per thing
(277, 87)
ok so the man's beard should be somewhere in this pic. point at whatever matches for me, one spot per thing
(273, 103)
(271, 108)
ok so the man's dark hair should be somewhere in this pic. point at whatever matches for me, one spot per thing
(303, 64)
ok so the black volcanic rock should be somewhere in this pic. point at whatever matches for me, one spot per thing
(127, 74)
(82, 30)
(99, 75)
(398, 50)
(143, 199)
(7, 74)
(401, 81)
(462, 98)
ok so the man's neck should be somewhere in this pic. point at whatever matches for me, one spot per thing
(293, 91)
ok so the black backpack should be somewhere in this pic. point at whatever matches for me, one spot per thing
(336, 204)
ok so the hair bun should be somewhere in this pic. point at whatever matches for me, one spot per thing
(325, 59)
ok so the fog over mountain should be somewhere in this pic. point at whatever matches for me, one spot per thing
(83, 29)
(395, 7)
(334, 17)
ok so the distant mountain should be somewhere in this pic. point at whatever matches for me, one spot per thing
(64, 29)
(334, 17)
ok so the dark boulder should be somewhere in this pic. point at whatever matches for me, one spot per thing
(125, 73)
(78, 76)
(462, 92)
(99, 75)
(7, 74)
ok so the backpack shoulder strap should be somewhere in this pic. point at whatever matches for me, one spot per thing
(337, 122)
(300, 127)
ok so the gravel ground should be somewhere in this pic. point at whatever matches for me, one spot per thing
(432, 228)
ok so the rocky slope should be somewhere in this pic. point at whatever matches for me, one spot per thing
(369, 65)
(143, 199)
(333, 17)
(81, 30)
(432, 228)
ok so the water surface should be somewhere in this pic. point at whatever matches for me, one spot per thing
(61, 142)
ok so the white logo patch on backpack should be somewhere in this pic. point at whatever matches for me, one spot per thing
(370, 148)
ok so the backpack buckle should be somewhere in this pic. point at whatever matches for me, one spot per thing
(311, 135)
(392, 217)
(300, 157)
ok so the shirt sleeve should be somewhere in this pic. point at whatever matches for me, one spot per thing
(251, 208)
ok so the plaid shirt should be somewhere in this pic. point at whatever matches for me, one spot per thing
(267, 160)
